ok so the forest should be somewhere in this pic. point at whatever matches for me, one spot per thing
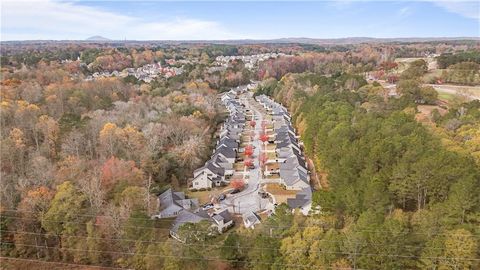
(83, 161)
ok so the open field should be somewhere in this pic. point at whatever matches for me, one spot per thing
(472, 92)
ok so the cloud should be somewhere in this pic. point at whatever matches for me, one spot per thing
(47, 19)
(468, 9)
(404, 12)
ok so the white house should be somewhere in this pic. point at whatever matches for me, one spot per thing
(222, 220)
(250, 220)
(208, 176)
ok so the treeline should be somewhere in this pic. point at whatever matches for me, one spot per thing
(446, 60)
(82, 161)
(386, 174)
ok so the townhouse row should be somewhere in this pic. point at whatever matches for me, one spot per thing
(288, 165)
(218, 170)
(292, 168)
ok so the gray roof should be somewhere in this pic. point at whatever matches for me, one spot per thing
(223, 215)
(301, 199)
(215, 169)
(186, 216)
(177, 199)
(226, 151)
(251, 217)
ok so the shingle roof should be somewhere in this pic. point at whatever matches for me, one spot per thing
(186, 216)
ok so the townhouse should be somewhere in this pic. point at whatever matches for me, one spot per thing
(218, 170)
(292, 168)
(184, 210)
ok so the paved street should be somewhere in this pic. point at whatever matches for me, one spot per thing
(248, 200)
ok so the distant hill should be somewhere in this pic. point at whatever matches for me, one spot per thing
(97, 38)
(289, 40)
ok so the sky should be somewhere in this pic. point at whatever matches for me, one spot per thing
(215, 20)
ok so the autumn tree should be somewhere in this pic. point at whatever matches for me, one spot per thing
(248, 150)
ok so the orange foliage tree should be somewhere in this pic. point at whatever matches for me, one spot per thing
(248, 162)
(115, 170)
(237, 184)
(263, 137)
(248, 150)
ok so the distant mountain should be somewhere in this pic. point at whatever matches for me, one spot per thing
(97, 38)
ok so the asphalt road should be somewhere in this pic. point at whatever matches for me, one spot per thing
(248, 199)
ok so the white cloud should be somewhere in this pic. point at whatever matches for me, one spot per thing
(469, 9)
(47, 19)
(404, 12)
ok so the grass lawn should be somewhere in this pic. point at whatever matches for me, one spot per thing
(281, 195)
(271, 146)
(202, 196)
(445, 96)
(245, 138)
(272, 177)
(238, 166)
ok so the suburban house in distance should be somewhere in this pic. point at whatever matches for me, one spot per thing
(218, 170)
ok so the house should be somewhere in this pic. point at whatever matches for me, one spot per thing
(250, 220)
(302, 201)
(187, 217)
(224, 163)
(294, 179)
(227, 153)
(209, 175)
(171, 203)
(222, 220)
(227, 142)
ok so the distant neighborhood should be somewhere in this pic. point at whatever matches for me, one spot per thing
(145, 73)
(251, 61)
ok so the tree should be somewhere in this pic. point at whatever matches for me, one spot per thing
(263, 158)
(63, 216)
(237, 184)
(231, 251)
(265, 253)
(460, 248)
(115, 171)
(263, 137)
(248, 162)
(248, 150)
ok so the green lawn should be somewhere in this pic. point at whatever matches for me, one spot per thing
(445, 96)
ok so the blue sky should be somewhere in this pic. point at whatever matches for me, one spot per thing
(161, 20)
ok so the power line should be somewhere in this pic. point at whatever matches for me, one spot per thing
(169, 256)
(264, 225)
(319, 252)
(62, 263)
(160, 220)
(204, 245)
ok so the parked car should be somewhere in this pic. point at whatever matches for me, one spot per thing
(222, 197)
(207, 206)
(263, 194)
(235, 191)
